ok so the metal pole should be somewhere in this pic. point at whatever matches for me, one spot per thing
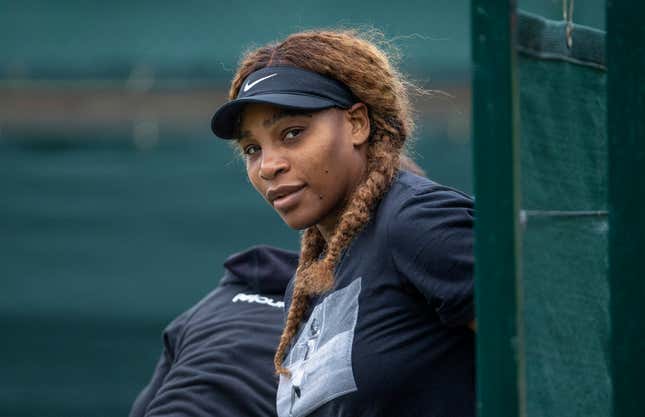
(497, 252)
(626, 134)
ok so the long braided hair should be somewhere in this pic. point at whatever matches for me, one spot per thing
(365, 68)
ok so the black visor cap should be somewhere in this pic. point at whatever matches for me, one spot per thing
(288, 87)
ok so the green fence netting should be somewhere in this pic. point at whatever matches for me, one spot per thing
(563, 215)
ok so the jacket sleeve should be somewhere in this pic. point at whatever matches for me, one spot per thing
(432, 249)
(148, 392)
(170, 338)
(222, 366)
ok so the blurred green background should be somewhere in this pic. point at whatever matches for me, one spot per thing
(118, 207)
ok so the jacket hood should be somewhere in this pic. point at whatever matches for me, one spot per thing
(263, 268)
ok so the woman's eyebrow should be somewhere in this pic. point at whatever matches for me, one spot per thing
(245, 134)
(282, 114)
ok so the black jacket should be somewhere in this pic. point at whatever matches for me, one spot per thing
(218, 356)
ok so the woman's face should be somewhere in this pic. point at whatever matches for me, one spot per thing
(305, 164)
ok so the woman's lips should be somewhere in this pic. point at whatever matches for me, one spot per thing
(288, 198)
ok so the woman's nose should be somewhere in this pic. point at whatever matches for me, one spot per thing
(272, 165)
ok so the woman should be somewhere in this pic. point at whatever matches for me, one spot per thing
(379, 308)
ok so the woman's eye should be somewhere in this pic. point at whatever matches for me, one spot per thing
(251, 149)
(292, 133)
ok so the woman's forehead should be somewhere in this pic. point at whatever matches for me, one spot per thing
(268, 114)
(265, 116)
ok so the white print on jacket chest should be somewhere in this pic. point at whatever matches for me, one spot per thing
(257, 298)
(320, 360)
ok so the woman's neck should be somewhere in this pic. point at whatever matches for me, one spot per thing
(327, 226)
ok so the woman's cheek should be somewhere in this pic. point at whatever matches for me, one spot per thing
(253, 175)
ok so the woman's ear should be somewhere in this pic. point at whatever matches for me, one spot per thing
(359, 120)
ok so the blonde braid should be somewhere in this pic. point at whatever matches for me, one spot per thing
(312, 245)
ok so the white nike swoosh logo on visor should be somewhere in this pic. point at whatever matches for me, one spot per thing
(249, 85)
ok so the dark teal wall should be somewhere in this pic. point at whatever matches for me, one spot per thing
(68, 39)
(204, 38)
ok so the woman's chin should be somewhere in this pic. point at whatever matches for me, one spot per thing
(296, 222)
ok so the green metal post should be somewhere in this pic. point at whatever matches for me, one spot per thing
(626, 133)
(496, 158)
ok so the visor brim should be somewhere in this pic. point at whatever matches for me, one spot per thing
(225, 119)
